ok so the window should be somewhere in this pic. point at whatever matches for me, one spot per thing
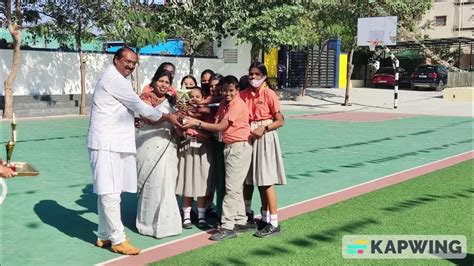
(440, 21)
(231, 56)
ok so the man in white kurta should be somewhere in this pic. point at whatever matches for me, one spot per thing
(111, 143)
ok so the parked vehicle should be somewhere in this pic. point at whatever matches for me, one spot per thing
(430, 76)
(385, 76)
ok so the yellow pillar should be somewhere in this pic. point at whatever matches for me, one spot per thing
(270, 60)
(342, 70)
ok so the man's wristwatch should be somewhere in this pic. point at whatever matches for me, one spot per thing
(267, 129)
(199, 125)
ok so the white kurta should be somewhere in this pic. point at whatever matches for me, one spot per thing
(111, 136)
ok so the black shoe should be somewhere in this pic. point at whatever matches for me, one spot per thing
(250, 220)
(250, 216)
(202, 224)
(223, 234)
(240, 228)
(261, 224)
(187, 224)
(269, 230)
(211, 212)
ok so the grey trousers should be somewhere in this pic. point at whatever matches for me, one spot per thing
(237, 159)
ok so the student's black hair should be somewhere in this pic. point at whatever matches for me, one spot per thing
(217, 77)
(161, 68)
(261, 66)
(208, 71)
(119, 53)
(197, 88)
(189, 77)
(156, 77)
(162, 65)
(230, 80)
(244, 82)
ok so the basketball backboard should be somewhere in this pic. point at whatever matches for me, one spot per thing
(382, 30)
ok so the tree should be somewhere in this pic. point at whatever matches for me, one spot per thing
(343, 15)
(71, 23)
(199, 22)
(135, 23)
(271, 24)
(274, 26)
(14, 19)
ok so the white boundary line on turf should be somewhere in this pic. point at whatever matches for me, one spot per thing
(150, 248)
(374, 180)
(296, 204)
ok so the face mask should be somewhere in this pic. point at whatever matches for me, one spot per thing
(205, 87)
(256, 83)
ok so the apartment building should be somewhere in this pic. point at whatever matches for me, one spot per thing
(451, 18)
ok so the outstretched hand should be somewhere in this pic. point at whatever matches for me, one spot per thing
(6, 172)
(189, 122)
(174, 119)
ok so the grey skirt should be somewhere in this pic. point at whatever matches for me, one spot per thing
(267, 162)
(195, 174)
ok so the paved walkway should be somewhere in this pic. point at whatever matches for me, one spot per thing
(381, 100)
(54, 215)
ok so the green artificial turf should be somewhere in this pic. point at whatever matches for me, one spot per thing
(439, 203)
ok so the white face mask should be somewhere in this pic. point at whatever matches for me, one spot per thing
(256, 83)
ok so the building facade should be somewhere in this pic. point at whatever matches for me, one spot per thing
(451, 18)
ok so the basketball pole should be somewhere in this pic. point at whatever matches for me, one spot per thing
(396, 68)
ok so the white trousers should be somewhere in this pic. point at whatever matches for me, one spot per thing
(113, 172)
(110, 222)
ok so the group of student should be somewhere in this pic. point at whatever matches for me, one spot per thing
(227, 144)
(221, 141)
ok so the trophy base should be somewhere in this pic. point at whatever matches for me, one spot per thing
(24, 169)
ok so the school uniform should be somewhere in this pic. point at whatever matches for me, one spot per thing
(237, 159)
(267, 161)
(195, 175)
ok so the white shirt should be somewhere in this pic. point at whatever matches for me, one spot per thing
(111, 125)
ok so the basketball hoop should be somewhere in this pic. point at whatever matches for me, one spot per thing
(373, 44)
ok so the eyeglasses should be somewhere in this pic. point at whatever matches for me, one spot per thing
(130, 63)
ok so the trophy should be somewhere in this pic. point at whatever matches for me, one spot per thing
(182, 102)
(22, 168)
(10, 146)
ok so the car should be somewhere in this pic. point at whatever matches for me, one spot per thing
(385, 76)
(430, 76)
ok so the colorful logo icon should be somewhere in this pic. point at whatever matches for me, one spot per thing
(358, 248)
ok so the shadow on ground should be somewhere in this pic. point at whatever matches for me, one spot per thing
(66, 220)
(70, 221)
(427, 198)
(468, 260)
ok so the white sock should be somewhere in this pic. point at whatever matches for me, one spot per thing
(201, 213)
(265, 216)
(274, 220)
(187, 214)
(248, 206)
